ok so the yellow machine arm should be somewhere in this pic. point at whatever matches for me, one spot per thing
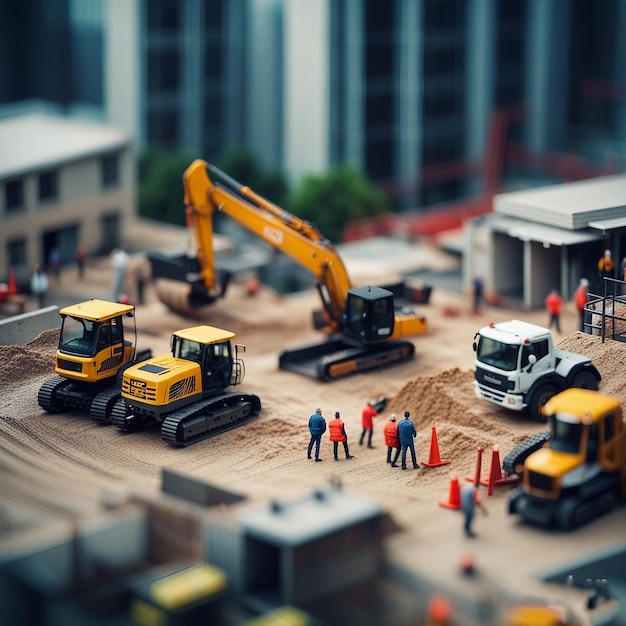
(297, 238)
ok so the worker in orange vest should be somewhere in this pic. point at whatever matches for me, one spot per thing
(392, 440)
(606, 265)
(337, 433)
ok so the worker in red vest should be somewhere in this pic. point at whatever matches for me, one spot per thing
(337, 432)
(553, 304)
(581, 298)
(392, 440)
(367, 421)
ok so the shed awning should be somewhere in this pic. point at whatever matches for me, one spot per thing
(528, 231)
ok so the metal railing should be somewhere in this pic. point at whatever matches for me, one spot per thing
(605, 315)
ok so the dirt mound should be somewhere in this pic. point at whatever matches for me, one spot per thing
(608, 356)
(22, 362)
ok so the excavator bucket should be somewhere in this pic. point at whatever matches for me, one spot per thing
(178, 284)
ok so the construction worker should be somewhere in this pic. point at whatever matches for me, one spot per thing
(553, 304)
(469, 501)
(317, 427)
(392, 440)
(367, 421)
(337, 433)
(606, 265)
(407, 434)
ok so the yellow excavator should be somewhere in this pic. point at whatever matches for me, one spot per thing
(96, 343)
(364, 327)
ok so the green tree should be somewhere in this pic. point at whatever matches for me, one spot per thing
(332, 199)
(161, 195)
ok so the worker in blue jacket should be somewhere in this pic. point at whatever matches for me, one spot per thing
(317, 427)
(407, 434)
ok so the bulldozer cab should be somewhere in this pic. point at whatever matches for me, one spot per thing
(93, 342)
(369, 315)
(587, 423)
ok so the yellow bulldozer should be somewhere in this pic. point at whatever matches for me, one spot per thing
(579, 471)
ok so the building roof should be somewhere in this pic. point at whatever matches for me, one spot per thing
(570, 206)
(40, 141)
(310, 518)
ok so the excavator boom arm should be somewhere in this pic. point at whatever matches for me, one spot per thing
(298, 239)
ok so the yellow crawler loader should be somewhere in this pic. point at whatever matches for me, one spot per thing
(97, 341)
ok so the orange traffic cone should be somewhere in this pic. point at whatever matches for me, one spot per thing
(479, 460)
(495, 472)
(434, 460)
(454, 497)
(12, 283)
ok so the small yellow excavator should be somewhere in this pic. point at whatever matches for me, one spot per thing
(97, 341)
(364, 327)
(185, 391)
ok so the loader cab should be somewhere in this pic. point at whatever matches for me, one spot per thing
(369, 315)
(93, 342)
(209, 347)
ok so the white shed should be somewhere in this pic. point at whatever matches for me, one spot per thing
(547, 238)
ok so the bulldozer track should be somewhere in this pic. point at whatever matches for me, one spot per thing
(46, 397)
(210, 417)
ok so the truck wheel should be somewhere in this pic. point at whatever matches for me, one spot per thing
(538, 398)
(514, 460)
(585, 380)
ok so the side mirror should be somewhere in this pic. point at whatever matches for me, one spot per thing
(532, 359)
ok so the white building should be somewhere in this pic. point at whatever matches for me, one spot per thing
(63, 182)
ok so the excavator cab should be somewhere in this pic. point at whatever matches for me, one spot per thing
(369, 315)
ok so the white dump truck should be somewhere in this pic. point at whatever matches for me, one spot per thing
(518, 367)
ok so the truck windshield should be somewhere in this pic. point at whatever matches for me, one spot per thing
(77, 336)
(565, 436)
(497, 354)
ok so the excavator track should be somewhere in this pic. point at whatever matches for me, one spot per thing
(335, 359)
(209, 417)
(47, 395)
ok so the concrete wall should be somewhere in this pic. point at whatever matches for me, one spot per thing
(25, 327)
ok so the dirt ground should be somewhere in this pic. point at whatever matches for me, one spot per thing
(56, 467)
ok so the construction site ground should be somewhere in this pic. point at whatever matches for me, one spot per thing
(57, 467)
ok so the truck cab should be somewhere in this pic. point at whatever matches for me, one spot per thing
(518, 367)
